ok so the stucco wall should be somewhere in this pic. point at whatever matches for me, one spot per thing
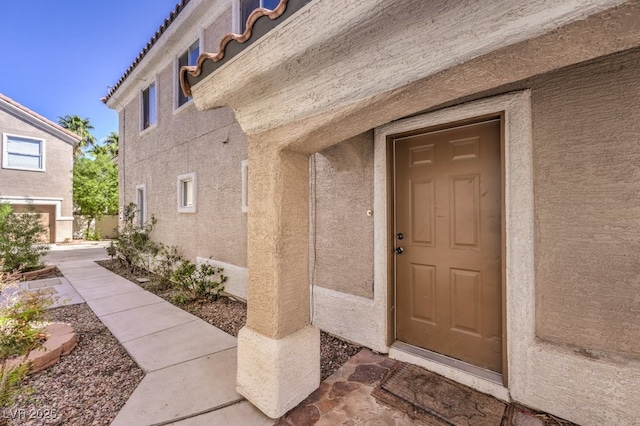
(586, 132)
(342, 230)
(55, 182)
(50, 189)
(182, 141)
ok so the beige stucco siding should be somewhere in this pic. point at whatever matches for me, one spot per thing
(342, 204)
(51, 188)
(586, 129)
(55, 181)
(184, 141)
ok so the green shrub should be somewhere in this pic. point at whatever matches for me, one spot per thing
(198, 282)
(10, 379)
(21, 244)
(92, 235)
(21, 323)
(169, 258)
(111, 250)
(21, 330)
(133, 246)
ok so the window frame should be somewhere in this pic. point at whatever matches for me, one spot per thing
(238, 24)
(5, 153)
(143, 104)
(177, 98)
(141, 218)
(182, 207)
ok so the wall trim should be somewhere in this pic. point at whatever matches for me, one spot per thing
(518, 204)
(46, 201)
(236, 284)
(549, 377)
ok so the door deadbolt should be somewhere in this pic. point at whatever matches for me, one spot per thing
(399, 250)
(399, 236)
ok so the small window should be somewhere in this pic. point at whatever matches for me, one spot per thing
(248, 6)
(141, 202)
(188, 58)
(22, 153)
(245, 185)
(149, 106)
(187, 193)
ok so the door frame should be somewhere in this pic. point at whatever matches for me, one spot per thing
(392, 219)
(514, 109)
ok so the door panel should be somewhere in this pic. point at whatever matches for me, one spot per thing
(448, 207)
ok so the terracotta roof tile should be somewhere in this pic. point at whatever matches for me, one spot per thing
(196, 70)
(38, 116)
(167, 22)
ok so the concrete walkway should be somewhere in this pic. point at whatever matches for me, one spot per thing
(190, 365)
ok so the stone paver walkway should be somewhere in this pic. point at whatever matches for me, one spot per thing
(190, 365)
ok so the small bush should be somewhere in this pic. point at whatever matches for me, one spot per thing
(21, 244)
(10, 379)
(21, 330)
(198, 282)
(169, 258)
(134, 247)
(92, 235)
(111, 250)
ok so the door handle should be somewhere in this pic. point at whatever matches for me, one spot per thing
(399, 250)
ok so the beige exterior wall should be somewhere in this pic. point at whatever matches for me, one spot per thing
(586, 132)
(183, 141)
(51, 188)
(341, 203)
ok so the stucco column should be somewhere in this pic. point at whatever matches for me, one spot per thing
(278, 349)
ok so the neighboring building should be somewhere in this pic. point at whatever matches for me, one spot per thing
(456, 182)
(37, 167)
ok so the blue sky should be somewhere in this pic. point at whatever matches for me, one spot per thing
(57, 57)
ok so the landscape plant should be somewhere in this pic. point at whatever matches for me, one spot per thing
(197, 282)
(22, 322)
(134, 247)
(22, 247)
(137, 252)
(95, 189)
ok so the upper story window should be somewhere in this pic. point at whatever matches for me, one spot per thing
(22, 153)
(188, 58)
(248, 6)
(149, 106)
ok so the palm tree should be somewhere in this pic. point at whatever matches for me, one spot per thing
(81, 127)
(108, 147)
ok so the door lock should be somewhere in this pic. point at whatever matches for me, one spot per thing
(399, 250)
(399, 236)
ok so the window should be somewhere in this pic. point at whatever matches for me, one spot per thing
(187, 193)
(188, 58)
(245, 185)
(149, 106)
(22, 153)
(141, 202)
(248, 6)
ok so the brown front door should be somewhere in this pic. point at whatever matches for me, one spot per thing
(448, 277)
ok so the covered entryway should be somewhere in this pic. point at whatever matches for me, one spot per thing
(338, 69)
(448, 241)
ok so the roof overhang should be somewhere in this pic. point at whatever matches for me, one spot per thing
(38, 121)
(363, 64)
(176, 34)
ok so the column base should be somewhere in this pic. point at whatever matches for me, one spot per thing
(277, 374)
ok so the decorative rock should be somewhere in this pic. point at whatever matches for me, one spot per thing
(60, 341)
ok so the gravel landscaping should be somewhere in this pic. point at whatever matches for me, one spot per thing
(230, 315)
(91, 384)
(87, 387)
